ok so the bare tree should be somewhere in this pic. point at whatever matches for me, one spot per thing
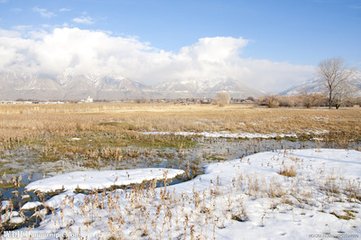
(334, 74)
(222, 99)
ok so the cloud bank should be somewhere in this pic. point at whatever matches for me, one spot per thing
(78, 51)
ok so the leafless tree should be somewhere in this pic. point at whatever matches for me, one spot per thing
(334, 74)
(222, 98)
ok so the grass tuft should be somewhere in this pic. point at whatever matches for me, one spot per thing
(288, 171)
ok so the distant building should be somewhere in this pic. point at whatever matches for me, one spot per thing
(87, 100)
(51, 102)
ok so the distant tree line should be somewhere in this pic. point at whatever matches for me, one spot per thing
(306, 101)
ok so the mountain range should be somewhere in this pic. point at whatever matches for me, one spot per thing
(14, 85)
(75, 87)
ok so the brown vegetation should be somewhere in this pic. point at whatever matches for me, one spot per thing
(31, 122)
(303, 100)
(288, 171)
(93, 134)
(222, 99)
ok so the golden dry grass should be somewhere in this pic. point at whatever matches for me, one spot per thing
(288, 171)
(67, 119)
(104, 128)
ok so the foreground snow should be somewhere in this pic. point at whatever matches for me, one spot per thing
(241, 199)
(89, 180)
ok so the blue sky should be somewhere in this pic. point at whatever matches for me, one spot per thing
(299, 32)
(267, 44)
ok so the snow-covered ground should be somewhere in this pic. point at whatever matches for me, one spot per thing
(94, 180)
(245, 135)
(248, 198)
(224, 134)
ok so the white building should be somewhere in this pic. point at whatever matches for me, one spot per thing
(87, 100)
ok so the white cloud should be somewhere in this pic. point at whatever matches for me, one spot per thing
(83, 20)
(44, 12)
(64, 10)
(9, 33)
(77, 51)
(22, 28)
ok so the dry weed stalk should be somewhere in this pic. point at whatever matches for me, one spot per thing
(288, 171)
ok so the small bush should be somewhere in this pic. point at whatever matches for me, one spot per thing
(313, 100)
(288, 171)
(272, 102)
(222, 99)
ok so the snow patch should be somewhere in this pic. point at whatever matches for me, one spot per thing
(88, 180)
(31, 205)
(5, 204)
(225, 134)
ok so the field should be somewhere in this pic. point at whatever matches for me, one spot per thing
(39, 141)
(20, 122)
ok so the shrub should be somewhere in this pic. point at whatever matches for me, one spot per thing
(271, 101)
(288, 171)
(313, 100)
(222, 99)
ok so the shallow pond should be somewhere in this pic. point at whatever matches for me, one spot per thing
(192, 160)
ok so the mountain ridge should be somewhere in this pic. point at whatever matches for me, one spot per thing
(68, 86)
(317, 86)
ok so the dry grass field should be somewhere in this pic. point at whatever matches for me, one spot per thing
(32, 121)
(102, 130)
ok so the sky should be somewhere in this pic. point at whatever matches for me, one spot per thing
(276, 42)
